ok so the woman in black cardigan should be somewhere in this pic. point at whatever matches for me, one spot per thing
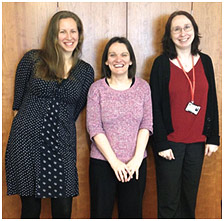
(185, 116)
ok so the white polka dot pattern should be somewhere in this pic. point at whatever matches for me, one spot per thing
(41, 151)
(52, 179)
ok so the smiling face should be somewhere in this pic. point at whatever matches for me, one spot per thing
(182, 32)
(118, 59)
(68, 35)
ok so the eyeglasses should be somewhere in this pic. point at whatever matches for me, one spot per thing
(178, 29)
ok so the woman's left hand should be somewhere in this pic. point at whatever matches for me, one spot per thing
(210, 148)
(133, 166)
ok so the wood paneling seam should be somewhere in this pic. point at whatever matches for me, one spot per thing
(126, 19)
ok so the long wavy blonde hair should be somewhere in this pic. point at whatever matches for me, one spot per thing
(51, 63)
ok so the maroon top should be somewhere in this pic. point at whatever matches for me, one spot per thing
(187, 127)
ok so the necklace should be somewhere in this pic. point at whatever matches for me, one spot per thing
(187, 66)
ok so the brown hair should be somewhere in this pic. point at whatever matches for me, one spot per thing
(51, 63)
(168, 45)
(105, 70)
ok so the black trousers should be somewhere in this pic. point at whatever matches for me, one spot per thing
(178, 180)
(104, 186)
(61, 208)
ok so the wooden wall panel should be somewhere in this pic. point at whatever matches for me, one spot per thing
(98, 20)
(101, 21)
(145, 31)
(22, 30)
(29, 21)
(23, 27)
(149, 29)
(146, 40)
(210, 27)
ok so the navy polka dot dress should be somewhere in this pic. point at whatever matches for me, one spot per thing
(41, 152)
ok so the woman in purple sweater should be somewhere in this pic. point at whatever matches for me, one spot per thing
(119, 121)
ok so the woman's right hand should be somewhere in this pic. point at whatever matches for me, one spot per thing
(167, 154)
(121, 170)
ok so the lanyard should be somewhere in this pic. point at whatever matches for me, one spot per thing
(192, 85)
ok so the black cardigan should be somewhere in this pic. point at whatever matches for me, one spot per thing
(162, 122)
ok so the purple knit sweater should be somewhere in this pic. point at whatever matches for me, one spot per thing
(119, 115)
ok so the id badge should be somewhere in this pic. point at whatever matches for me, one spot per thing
(192, 108)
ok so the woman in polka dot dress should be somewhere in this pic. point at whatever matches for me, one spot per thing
(51, 88)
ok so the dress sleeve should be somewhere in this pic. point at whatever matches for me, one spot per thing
(147, 120)
(93, 113)
(23, 72)
(85, 88)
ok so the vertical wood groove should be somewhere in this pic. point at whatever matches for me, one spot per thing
(127, 19)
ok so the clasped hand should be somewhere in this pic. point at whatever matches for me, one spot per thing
(124, 172)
